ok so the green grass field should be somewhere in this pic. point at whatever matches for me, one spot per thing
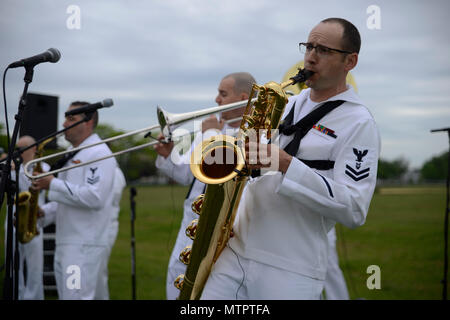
(403, 235)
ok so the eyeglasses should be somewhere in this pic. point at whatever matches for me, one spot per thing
(306, 47)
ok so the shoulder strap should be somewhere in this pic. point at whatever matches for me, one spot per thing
(61, 162)
(288, 120)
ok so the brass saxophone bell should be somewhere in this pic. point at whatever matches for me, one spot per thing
(217, 160)
(185, 255)
(23, 212)
(192, 229)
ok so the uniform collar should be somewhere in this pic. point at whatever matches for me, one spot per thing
(349, 96)
(89, 140)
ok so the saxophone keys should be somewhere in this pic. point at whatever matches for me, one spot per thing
(178, 283)
(185, 255)
(198, 203)
(191, 229)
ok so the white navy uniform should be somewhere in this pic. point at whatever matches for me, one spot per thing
(31, 253)
(179, 170)
(283, 219)
(81, 204)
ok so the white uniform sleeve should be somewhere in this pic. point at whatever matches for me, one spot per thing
(24, 181)
(49, 217)
(346, 197)
(118, 186)
(180, 172)
(92, 194)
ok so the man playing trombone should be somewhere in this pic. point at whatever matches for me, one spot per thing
(80, 203)
(233, 88)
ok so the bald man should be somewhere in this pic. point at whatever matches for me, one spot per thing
(232, 88)
(31, 254)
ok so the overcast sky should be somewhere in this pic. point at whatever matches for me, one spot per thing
(173, 53)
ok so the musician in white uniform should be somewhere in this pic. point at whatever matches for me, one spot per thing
(81, 202)
(233, 88)
(31, 267)
(325, 175)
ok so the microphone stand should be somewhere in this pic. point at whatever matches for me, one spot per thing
(444, 281)
(10, 288)
(133, 193)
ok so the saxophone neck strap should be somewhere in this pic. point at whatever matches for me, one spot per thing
(62, 162)
(301, 128)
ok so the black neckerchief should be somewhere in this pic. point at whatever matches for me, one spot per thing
(301, 128)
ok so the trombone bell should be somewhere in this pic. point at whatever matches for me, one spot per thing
(168, 121)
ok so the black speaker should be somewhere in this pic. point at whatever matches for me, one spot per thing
(40, 117)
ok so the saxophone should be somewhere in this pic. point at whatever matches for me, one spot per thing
(218, 206)
(27, 204)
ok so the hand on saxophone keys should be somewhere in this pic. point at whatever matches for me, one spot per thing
(40, 213)
(260, 155)
(42, 183)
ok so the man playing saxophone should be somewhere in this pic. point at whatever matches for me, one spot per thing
(327, 154)
(232, 88)
(31, 263)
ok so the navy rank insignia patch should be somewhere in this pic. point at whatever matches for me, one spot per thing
(94, 179)
(355, 173)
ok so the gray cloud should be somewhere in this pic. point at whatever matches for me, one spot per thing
(174, 53)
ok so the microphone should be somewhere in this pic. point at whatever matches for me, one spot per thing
(51, 55)
(90, 107)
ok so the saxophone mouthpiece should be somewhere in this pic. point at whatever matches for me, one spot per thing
(301, 76)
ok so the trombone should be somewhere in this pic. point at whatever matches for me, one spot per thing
(167, 123)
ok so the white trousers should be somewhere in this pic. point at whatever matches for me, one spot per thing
(102, 291)
(235, 277)
(32, 254)
(77, 269)
(335, 287)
